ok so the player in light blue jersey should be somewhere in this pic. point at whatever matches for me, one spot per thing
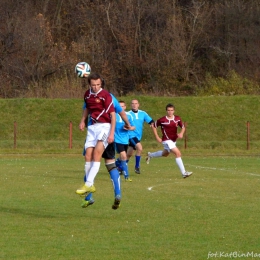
(122, 140)
(139, 117)
(109, 156)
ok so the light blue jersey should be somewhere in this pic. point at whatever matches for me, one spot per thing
(139, 118)
(116, 104)
(122, 135)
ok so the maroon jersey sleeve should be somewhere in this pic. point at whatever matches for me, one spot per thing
(180, 123)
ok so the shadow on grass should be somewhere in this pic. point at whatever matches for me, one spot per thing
(19, 211)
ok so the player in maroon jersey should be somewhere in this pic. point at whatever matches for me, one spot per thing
(169, 125)
(99, 106)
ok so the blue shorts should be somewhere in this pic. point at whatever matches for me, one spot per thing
(133, 142)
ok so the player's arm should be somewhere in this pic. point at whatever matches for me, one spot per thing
(82, 123)
(151, 123)
(130, 128)
(110, 138)
(181, 133)
(130, 118)
(149, 120)
(125, 119)
(158, 139)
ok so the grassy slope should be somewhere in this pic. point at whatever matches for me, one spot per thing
(215, 123)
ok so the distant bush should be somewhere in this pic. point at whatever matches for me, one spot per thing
(233, 84)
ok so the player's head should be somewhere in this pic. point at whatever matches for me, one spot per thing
(134, 104)
(122, 104)
(170, 110)
(170, 106)
(96, 76)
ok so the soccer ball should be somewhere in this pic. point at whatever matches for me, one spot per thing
(82, 69)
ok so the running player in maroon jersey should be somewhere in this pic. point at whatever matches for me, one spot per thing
(169, 125)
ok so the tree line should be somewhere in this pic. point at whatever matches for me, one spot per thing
(159, 47)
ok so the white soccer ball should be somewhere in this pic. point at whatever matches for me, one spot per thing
(82, 69)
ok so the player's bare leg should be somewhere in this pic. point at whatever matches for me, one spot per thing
(139, 149)
(96, 152)
(130, 152)
(179, 162)
(163, 153)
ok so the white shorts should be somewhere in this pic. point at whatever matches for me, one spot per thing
(169, 145)
(97, 132)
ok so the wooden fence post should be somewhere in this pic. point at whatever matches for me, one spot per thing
(185, 135)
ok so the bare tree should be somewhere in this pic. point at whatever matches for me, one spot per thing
(139, 46)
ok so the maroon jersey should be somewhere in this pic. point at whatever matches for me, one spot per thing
(169, 127)
(99, 105)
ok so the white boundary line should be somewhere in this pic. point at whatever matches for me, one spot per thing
(209, 168)
(223, 169)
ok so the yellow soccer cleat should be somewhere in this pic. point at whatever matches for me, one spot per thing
(85, 189)
(86, 203)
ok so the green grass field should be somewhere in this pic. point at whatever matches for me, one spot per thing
(212, 214)
(162, 216)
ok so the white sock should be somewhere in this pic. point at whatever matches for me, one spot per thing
(156, 154)
(92, 173)
(87, 168)
(180, 165)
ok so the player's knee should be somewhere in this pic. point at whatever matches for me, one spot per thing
(178, 154)
(139, 148)
(111, 166)
(165, 153)
(87, 158)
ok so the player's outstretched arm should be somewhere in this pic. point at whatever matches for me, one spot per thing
(129, 128)
(156, 134)
(110, 138)
(125, 119)
(82, 123)
(180, 135)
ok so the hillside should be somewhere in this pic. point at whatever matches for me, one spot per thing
(213, 123)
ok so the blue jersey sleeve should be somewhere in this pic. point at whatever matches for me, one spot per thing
(147, 118)
(116, 104)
